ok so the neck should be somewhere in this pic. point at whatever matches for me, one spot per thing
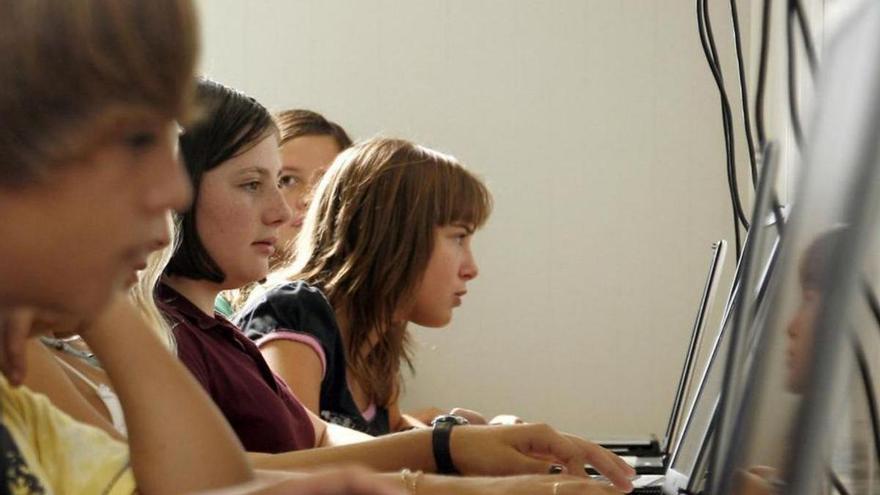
(201, 293)
(344, 329)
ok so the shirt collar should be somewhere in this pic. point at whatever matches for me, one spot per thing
(179, 303)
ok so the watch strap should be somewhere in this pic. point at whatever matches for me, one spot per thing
(440, 441)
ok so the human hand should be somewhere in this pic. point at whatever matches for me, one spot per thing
(506, 419)
(757, 480)
(472, 417)
(532, 448)
(426, 415)
(15, 327)
(19, 324)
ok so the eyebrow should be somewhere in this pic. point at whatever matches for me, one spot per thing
(469, 227)
(262, 171)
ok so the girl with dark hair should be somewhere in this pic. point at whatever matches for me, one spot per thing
(232, 229)
(309, 143)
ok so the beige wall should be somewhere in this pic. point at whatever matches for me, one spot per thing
(597, 126)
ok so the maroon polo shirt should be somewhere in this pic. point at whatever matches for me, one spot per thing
(262, 410)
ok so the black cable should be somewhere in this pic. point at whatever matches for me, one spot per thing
(744, 94)
(707, 42)
(807, 36)
(870, 396)
(871, 297)
(728, 116)
(762, 75)
(837, 483)
(793, 111)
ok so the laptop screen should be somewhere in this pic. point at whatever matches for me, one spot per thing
(796, 416)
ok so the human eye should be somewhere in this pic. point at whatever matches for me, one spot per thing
(287, 180)
(460, 235)
(140, 141)
(251, 185)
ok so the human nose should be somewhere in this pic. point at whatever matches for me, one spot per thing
(469, 269)
(278, 211)
(172, 189)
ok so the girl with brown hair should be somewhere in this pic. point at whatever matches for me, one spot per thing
(226, 240)
(386, 242)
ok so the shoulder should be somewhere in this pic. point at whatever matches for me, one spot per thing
(47, 437)
(295, 306)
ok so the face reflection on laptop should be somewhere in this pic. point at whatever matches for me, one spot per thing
(813, 274)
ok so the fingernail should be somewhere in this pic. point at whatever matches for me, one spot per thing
(556, 469)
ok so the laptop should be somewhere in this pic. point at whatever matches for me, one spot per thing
(792, 399)
(689, 457)
(649, 456)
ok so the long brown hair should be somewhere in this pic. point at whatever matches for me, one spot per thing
(367, 239)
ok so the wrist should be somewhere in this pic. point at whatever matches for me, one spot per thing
(441, 442)
(411, 481)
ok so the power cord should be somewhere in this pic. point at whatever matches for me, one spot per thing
(707, 41)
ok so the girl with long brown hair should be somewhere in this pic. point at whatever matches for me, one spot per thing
(386, 242)
(225, 241)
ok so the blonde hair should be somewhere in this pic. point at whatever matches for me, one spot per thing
(143, 293)
(72, 70)
(367, 239)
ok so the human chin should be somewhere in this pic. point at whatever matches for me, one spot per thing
(433, 319)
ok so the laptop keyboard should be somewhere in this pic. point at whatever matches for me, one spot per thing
(648, 490)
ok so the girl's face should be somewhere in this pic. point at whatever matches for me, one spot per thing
(239, 212)
(800, 339)
(444, 283)
(304, 161)
(80, 233)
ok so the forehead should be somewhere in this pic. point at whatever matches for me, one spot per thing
(262, 157)
(309, 151)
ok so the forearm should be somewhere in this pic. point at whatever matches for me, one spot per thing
(388, 453)
(339, 435)
(179, 441)
(408, 422)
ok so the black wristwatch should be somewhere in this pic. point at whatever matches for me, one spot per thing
(440, 442)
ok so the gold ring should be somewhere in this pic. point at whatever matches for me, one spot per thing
(556, 487)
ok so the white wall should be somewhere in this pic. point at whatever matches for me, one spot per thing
(597, 126)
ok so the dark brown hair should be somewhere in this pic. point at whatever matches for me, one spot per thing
(298, 123)
(230, 123)
(367, 239)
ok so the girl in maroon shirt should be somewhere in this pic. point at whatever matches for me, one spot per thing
(226, 241)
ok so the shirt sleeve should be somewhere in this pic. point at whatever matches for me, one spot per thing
(293, 308)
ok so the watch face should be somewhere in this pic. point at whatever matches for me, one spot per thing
(449, 418)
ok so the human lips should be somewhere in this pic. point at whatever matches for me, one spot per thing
(457, 297)
(266, 246)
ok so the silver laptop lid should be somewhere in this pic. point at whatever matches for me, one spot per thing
(794, 387)
(691, 453)
(707, 302)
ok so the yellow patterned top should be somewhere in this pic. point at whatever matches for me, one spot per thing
(48, 452)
